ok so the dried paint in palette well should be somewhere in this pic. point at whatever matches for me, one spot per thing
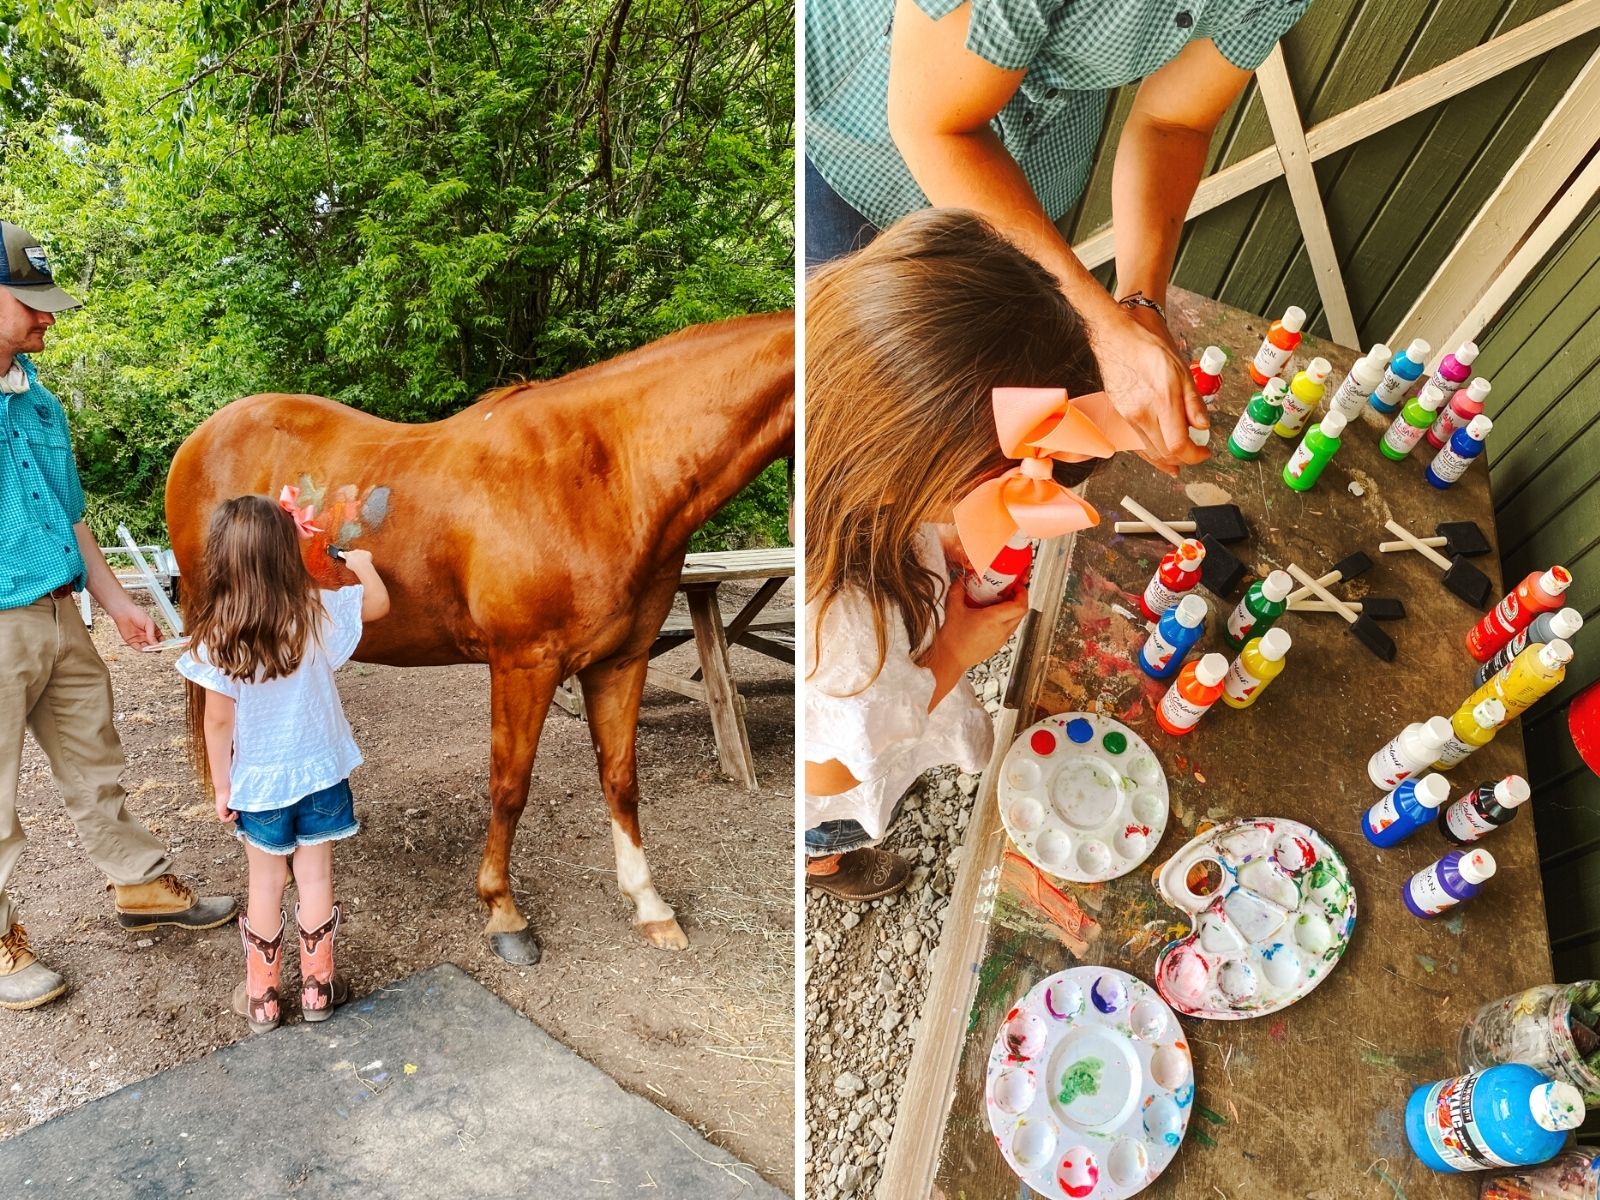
(1090, 1085)
(1083, 797)
(1273, 907)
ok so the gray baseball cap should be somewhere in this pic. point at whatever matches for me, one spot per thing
(25, 273)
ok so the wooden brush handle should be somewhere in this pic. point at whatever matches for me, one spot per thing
(1322, 606)
(1320, 581)
(1150, 519)
(1391, 547)
(1336, 604)
(1420, 546)
(1145, 527)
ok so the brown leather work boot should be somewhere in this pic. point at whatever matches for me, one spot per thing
(863, 875)
(25, 982)
(321, 991)
(256, 999)
(166, 900)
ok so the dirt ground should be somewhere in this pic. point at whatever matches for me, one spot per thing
(707, 1034)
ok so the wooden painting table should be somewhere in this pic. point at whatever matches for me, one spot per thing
(712, 682)
(1308, 1102)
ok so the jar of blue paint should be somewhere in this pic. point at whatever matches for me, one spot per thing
(1507, 1116)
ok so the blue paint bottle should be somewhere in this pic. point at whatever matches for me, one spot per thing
(1464, 446)
(1505, 1116)
(1459, 875)
(1405, 369)
(1405, 810)
(1179, 629)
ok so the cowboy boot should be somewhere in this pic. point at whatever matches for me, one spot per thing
(25, 982)
(166, 900)
(256, 999)
(321, 991)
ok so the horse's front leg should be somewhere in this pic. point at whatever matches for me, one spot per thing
(519, 698)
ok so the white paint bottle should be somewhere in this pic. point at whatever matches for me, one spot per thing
(1367, 373)
(1414, 747)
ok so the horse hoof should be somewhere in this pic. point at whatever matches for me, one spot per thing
(664, 935)
(520, 949)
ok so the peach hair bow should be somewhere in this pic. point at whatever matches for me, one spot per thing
(289, 501)
(1038, 426)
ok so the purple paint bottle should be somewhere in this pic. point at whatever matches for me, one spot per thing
(1405, 810)
(1459, 875)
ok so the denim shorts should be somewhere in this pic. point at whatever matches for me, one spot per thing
(841, 837)
(323, 816)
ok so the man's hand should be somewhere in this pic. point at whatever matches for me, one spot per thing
(1149, 382)
(133, 622)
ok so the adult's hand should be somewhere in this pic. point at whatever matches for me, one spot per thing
(133, 622)
(1148, 380)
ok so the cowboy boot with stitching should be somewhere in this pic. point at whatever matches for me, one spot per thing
(256, 999)
(166, 900)
(25, 982)
(321, 991)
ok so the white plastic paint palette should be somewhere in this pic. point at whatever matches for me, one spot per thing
(1090, 1085)
(1270, 922)
(1083, 797)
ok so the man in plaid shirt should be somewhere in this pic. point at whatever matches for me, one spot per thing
(51, 678)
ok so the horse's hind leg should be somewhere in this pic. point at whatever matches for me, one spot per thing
(611, 693)
(519, 698)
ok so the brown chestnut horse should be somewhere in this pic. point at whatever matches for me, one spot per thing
(541, 530)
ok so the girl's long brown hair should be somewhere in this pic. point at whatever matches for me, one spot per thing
(905, 341)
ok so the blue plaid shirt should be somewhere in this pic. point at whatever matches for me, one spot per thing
(41, 498)
(1074, 51)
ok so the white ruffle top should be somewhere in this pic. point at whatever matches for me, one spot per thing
(290, 736)
(882, 730)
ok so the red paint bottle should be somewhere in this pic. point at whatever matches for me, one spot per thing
(1192, 694)
(1174, 578)
(1539, 592)
(1277, 347)
(1207, 372)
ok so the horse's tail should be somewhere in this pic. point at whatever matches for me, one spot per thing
(195, 704)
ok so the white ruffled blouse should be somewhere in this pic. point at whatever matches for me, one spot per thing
(882, 730)
(290, 736)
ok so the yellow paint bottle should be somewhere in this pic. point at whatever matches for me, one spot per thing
(1302, 398)
(1470, 730)
(1258, 664)
(1519, 684)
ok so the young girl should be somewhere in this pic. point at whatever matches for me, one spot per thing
(264, 644)
(907, 342)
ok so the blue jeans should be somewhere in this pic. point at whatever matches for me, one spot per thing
(320, 817)
(833, 228)
(841, 837)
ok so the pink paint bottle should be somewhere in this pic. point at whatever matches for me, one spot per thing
(1451, 375)
(1458, 413)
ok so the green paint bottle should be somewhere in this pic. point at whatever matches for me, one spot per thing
(1321, 443)
(1264, 603)
(1412, 422)
(1256, 421)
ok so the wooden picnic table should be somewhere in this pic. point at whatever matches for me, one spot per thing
(1308, 1102)
(712, 682)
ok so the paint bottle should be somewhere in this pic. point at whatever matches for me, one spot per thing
(1450, 376)
(1176, 575)
(1484, 809)
(1546, 627)
(1192, 694)
(1539, 592)
(1532, 674)
(1462, 408)
(1207, 372)
(1304, 394)
(1506, 1116)
(1459, 875)
(1472, 730)
(1365, 375)
(1574, 1174)
(1405, 369)
(1258, 664)
(1256, 421)
(1010, 565)
(1464, 447)
(1411, 423)
(1265, 601)
(1277, 347)
(1404, 810)
(1174, 636)
(1314, 453)
(1413, 748)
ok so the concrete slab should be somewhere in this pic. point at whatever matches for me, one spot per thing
(431, 1087)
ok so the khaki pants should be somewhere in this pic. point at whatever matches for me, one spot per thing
(52, 680)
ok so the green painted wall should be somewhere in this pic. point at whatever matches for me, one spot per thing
(1397, 202)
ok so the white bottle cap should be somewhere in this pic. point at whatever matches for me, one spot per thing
(1512, 791)
(1436, 731)
(1478, 428)
(1566, 623)
(1275, 388)
(1555, 580)
(1479, 389)
(1211, 670)
(1419, 350)
(1317, 370)
(1555, 654)
(1431, 397)
(1200, 437)
(1477, 867)
(1432, 791)
(1275, 644)
(1333, 424)
(1191, 610)
(1294, 318)
(1278, 584)
(1557, 1106)
(1379, 354)
(1490, 713)
(1191, 551)
(1212, 360)
(1466, 353)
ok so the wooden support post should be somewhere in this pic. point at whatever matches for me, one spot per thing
(752, 610)
(722, 697)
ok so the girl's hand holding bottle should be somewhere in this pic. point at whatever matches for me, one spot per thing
(972, 635)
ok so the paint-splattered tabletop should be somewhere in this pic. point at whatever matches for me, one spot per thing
(1307, 1102)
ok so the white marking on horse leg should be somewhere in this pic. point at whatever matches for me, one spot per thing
(633, 877)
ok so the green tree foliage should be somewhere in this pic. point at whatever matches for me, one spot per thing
(394, 203)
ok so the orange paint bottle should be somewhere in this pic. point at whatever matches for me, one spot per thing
(1539, 592)
(1282, 338)
(1192, 694)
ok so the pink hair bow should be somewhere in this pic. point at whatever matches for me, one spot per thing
(289, 501)
(1038, 426)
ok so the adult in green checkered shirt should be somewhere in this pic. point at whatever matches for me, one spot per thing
(998, 106)
(52, 680)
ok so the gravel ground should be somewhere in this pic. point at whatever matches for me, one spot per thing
(866, 975)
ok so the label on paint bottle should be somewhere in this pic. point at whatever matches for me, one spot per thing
(1239, 684)
(1452, 1125)
(1295, 411)
(1159, 597)
(1299, 460)
(1240, 622)
(1271, 359)
(1157, 651)
(1383, 814)
(1395, 769)
(1450, 466)
(1180, 714)
(1403, 436)
(1455, 751)
(1448, 386)
(1390, 388)
(1250, 434)
(1428, 892)
(1463, 819)
(1349, 399)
